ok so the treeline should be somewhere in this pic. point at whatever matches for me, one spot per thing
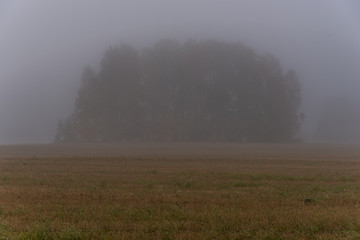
(195, 91)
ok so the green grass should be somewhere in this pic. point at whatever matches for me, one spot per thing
(174, 198)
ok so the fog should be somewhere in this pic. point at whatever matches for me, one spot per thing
(44, 45)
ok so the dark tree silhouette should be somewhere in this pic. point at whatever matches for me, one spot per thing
(196, 91)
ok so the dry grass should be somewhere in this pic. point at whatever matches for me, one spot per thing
(164, 191)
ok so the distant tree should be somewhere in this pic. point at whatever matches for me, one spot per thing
(65, 131)
(87, 110)
(160, 76)
(121, 110)
(196, 91)
(59, 137)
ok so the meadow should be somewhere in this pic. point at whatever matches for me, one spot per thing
(180, 191)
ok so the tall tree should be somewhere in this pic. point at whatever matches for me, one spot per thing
(86, 111)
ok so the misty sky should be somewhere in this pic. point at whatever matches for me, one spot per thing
(44, 44)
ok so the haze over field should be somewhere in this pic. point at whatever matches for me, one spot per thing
(44, 46)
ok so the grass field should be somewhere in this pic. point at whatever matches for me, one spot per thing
(180, 191)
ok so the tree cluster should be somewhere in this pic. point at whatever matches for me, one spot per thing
(194, 91)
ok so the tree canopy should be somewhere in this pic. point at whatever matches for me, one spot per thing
(194, 91)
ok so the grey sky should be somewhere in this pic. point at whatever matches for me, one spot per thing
(45, 43)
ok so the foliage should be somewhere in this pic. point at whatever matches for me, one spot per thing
(196, 91)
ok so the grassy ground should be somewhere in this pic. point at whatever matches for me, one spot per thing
(252, 192)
